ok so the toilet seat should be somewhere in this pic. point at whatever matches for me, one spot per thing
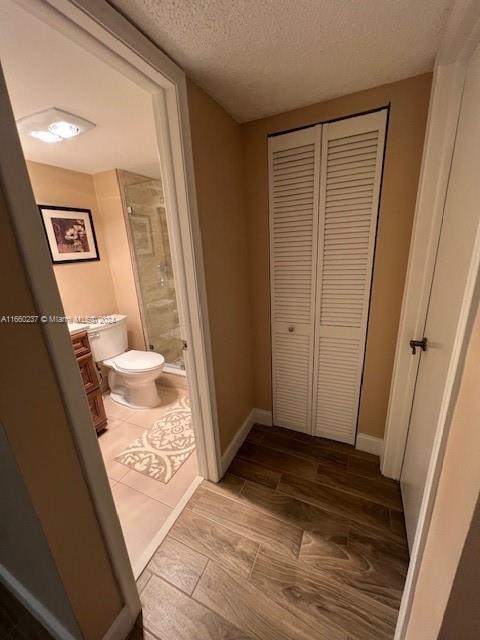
(136, 361)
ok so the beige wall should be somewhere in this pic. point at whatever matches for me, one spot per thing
(409, 104)
(85, 288)
(217, 154)
(39, 437)
(120, 261)
(454, 506)
(24, 550)
(462, 615)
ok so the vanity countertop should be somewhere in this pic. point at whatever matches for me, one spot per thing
(76, 327)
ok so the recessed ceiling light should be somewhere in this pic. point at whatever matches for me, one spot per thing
(64, 129)
(45, 136)
(53, 125)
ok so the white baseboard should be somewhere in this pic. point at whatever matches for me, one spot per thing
(369, 444)
(45, 617)
(262, 416)
(237, 441)
(122, 625)
(364, 442)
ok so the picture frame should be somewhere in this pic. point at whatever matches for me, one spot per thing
(70, 234)
(141, 230)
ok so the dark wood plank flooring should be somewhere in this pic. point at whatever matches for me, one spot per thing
(302, 540)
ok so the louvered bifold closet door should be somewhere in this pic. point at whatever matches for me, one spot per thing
(351, 168)
(294, 165)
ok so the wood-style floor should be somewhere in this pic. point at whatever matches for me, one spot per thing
(302, 540)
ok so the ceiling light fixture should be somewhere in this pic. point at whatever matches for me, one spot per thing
(64, 129)
(53, 125)
(45, 136)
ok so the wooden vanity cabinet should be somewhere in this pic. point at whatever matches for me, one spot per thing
(91, 383)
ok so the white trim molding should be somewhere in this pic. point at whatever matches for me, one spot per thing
(369, 444)
(443, 116)
(44, 616)
(237, 441)
(121, 626)
(262, 416)
(256, 416)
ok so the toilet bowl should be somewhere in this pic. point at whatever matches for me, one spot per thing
(131, 374)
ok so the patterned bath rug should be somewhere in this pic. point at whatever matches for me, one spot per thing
(161, 450)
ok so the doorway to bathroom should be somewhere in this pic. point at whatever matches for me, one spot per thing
(113, 226)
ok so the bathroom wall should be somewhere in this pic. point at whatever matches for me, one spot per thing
(120, 261)
(85, 288)
(107, 285)
(408, 101)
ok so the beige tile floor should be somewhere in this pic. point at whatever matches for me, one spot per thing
(143, 504)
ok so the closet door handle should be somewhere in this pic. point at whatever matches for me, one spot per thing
(422, 344)
(291, 329)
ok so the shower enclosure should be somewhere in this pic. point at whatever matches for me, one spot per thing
(150, 248)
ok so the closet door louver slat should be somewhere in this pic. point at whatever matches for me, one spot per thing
(350, 175)
(294, 165)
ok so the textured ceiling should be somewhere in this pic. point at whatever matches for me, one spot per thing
(260, 57)
(45, 69)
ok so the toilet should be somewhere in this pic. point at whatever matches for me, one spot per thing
(131, 374)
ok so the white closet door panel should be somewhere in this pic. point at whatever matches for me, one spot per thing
(351, 166)
(294, 165)
(337, 387)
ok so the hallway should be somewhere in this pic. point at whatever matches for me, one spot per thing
(302, 539)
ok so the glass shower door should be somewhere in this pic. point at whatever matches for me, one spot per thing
(147, 221)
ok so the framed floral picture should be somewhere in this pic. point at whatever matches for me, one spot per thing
(70, 234)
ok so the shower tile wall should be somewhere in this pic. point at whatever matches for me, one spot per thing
(145, 213)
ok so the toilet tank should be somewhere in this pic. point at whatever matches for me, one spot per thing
(108, 336)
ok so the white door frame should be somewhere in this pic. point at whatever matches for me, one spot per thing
(98, 27)
(460, 39)
(451, 63)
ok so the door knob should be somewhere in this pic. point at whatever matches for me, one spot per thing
(421, 344)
